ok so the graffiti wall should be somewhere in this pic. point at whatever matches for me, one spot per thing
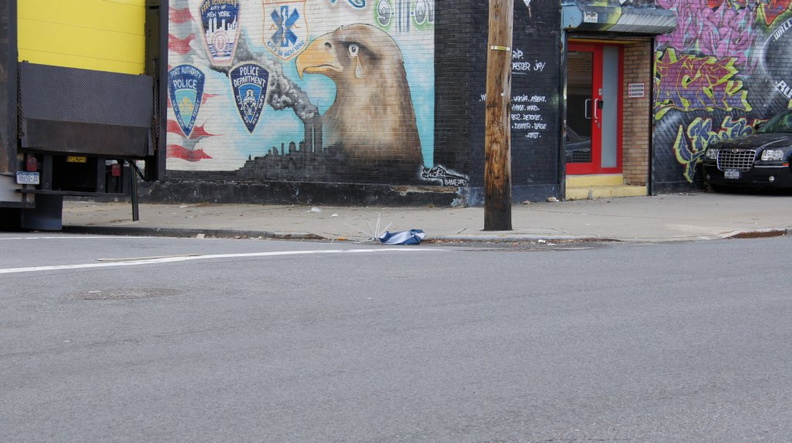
(727, 67)
(535, 109)
(305, 90)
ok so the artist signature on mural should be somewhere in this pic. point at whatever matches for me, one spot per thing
(444, 176)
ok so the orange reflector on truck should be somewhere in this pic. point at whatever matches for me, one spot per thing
(31, 163)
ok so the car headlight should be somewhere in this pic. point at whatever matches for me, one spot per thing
(711, 154)
(771, 155)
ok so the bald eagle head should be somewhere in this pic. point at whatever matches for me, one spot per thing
(371, 121)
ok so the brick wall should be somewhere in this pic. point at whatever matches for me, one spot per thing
(294, 138)
(459, 56)
(252, 91)
(535, 95)
(636, 113)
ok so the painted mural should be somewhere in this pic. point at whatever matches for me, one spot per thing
(304, 90)
(726, 68)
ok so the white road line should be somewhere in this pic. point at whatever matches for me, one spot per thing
(78, 237)
(180, 258)
(151, 257)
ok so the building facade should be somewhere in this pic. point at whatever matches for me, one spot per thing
(382, 101)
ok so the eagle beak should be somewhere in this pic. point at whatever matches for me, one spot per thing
(318, 58)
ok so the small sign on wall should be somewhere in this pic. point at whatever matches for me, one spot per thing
(636, 90)
(590, 17)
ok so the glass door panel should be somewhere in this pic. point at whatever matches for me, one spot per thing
(580, 97)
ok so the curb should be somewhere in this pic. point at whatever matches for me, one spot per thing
(232, 233)
(518, 238)
(486, 238)
(184, 233)
(762, 233)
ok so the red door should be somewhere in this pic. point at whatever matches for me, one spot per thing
(593, 142)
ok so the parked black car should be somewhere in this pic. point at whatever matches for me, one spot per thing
(761, 159)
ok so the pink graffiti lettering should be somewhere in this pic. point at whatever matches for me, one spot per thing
(706, 29)
(768, 10)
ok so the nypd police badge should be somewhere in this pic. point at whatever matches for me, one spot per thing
(185, 89)
(250, 84)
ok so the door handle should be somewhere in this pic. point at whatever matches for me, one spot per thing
(597, 105)
(586, 109)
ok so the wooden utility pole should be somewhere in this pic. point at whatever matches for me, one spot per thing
(497, 145)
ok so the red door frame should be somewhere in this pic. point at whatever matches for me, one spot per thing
(596, 130)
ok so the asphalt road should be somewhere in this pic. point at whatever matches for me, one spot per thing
(157, 339)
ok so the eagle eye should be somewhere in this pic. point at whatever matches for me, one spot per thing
(353, 49)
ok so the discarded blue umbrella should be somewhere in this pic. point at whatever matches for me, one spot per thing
(411, 237)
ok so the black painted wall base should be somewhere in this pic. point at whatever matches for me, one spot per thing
(677, 187)
(184, 190)
(474, 196)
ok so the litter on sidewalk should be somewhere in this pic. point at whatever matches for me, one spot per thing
(411, 237)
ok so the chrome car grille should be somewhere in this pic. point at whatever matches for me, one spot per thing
(742, 159)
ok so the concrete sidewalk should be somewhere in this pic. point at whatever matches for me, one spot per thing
(673, 217)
